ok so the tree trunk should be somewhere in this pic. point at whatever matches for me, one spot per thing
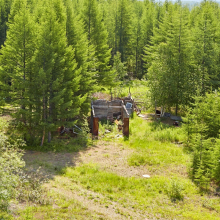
(42, 140)
(49, 136)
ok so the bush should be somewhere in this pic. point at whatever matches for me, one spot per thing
(10, 167)
(175, 191)
(29, 188)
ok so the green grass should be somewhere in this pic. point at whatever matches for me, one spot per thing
(159, 195)
(154, 144)
(62, 208)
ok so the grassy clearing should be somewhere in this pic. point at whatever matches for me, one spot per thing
(88, 191)
(168, 193)
(138, 89)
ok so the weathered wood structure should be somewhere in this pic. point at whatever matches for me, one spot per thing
(102, 109)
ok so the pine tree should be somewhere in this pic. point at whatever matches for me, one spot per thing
(170, 60)
(97, 36)
(83, 55)
(138, 38)
(205, 48)
(5, 6)
(123, 29)
(150, 19)
(118, 68)
(17, 64)
(110, 23)
(56, 71)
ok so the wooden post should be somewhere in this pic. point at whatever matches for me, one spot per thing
(122, 111)
(126, 127)
(95, 127)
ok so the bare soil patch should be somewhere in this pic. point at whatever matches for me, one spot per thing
(111, 157)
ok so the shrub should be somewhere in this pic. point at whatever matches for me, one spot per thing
(175, 191)
(29, 188)
(10, 166)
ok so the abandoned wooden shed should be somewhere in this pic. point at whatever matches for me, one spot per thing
(103, 109)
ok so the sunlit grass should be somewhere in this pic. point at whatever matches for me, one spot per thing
(160, 195)
(62, 208)
(154, 144)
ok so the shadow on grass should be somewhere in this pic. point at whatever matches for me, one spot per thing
(54, 157)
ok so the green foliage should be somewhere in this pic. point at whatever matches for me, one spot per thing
(97, 37)
(175, 191)
(205, 47)
(118, 68)
(202, 127)
(36, 53)
(5, 6)
(77, 38)
(10, 166)
(169, 60)
(123, 29)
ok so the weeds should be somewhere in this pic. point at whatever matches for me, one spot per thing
(175, 191)
(30, 188)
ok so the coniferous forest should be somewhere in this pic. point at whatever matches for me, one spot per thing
(54, 54)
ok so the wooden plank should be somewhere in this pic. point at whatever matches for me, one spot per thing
(95, 129)
(126, 127)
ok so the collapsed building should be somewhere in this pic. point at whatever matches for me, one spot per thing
(111, 110)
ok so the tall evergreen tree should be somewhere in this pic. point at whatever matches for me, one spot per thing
(138, 38)
(123, 29)
(77, 38)
(5, 7)
(205, 47)
(17, 62)
(169, 72)
(97, 36)
(56, 71)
